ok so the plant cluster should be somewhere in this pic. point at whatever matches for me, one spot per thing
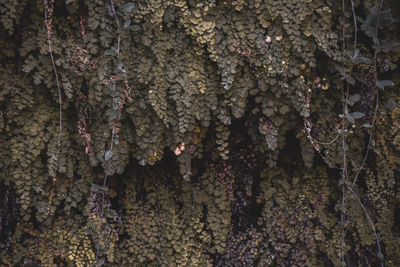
(199, 133)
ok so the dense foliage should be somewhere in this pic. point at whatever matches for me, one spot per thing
(199, 133)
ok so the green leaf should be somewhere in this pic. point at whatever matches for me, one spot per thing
(135, 28)
(101, 262)
(353, 99)
(391, 105)
(356, 53)
(113, 114)
(111, 85)
(127, 23)
(108, 154)
(367, 125)
(344, 75)
(343, 209)
(109, 52)
(360, 77)
(120, 68)
(357, 115)
(347, 14)
(350, 119)
(384, 83)
(97, 188)
(305, 113)
(116, 139)
(127, 7)
(349, 79)
(346, 147)
(362, 60)
(115, 104)
(390, 44)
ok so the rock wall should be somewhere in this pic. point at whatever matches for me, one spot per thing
(199, 133)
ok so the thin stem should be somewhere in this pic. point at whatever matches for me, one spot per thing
(376, 36)
(55, 72)
(344, 175)
(118, 30)
(370, 138)
(328, 143)
(377, 95)
(369, 141)
(48, 29)
(355, 24)
(344, 170)
(370, 222)
(343, 29)
(117, 53)
(342, 219)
